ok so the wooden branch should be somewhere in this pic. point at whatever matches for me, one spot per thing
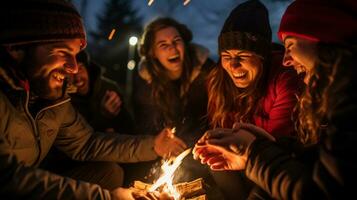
(193, 190)
(141, 185)
(201, 197)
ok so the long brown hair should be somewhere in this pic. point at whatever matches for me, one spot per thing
(227, 103)
(318, 100)
(163, 90)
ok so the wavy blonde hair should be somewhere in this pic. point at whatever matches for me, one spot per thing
(317, 100)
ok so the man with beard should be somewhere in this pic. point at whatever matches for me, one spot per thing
(39, 41)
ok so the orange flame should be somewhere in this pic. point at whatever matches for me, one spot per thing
(169, 169)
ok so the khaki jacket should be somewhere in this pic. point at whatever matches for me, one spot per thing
(25, 140)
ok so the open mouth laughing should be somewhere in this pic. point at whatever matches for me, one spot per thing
(174, 58)
(58, 78)
(239, 75)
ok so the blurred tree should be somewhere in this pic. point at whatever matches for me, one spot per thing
(118, 15)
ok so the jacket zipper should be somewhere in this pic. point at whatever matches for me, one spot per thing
(34, 124)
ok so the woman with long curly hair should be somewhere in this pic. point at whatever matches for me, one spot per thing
(249, 84)
(321, 164)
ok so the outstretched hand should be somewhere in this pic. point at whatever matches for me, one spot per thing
(123, 193)
(167, 144)
(136, 194)
(224, 149)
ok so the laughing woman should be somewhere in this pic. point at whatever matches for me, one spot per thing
(249, 84)
(169, 88)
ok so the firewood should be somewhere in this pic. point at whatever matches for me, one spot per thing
(141, 185)
(201, 197)
(191, 189)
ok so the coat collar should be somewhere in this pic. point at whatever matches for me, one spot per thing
(9, 78)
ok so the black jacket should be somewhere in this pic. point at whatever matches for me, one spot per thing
(90, 109)
(327, 170)
(191, 119)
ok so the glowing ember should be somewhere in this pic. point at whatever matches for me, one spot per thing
(169, 167)
(186, 2)
(111, 34)
(150, 2)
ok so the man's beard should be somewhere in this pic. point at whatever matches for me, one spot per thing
(40, 86)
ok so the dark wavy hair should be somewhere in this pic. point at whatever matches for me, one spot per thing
(227, 103)
(330, 75)
(163, 90)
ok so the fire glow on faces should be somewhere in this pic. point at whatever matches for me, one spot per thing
(48, 66)
(169, 49)
(301, 54)
(244, 67)
(81, 80)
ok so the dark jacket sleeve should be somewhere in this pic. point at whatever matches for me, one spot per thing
(280, 173)
(121, 123)
(20, 182)
(78, 140)
(333, 172)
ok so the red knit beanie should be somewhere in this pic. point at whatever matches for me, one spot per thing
(329, 21)
(30, 21)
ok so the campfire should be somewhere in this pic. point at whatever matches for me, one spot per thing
(193, 190)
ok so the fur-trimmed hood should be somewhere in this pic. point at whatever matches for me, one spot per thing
(202, 54)
(11, 81)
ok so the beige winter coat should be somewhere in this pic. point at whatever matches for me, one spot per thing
(25, 141)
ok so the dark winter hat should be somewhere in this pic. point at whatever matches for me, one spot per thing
(321, 20)
(83, 57)
(247, 28)
(30, 21)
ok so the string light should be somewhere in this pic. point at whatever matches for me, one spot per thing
(186, 2)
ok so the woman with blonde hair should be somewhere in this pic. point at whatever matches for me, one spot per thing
(321, 164)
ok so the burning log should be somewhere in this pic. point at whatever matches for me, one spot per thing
(201, 197)
(182, 191)
(193, 190)
(141, 185)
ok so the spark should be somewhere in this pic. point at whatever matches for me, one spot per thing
(150, 2)
(186, 2)
(111, 34)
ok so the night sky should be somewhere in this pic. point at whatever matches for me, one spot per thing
(204, 17)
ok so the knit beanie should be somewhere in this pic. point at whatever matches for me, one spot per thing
(329, 21)
(32, 21)
(83, 57)
(247, 28)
